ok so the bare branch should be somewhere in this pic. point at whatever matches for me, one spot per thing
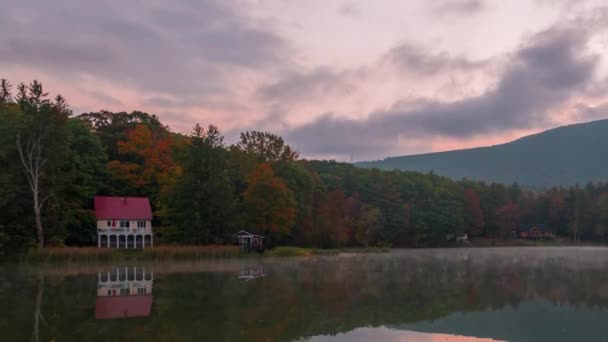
(46, 198)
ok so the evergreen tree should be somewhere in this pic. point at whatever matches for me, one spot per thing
(201, 206)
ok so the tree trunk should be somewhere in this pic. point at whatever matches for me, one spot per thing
(34, 167)
(37, 214)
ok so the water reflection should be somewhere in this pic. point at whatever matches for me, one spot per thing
(549, 294)
(395, 335)
(38, 318)
(124, 292)
(251, 271)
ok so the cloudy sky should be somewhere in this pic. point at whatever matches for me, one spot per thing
(334, 77)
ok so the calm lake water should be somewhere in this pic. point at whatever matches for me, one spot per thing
(500, 294)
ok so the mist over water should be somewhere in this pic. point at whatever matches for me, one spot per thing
(474, 294)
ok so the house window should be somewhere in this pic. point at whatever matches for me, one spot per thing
(141, 224)
(109, 223)
(125, 224)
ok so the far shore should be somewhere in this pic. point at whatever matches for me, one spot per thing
(91, 254)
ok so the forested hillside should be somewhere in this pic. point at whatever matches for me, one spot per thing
(203, 190)
(563, 156)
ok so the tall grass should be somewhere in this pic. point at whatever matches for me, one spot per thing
(192, 252)
(69, 254)
(172, 252)
(288, 251)
(93, 254)
(291, 251)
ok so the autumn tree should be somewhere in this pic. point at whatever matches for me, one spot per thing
(334, 226)
(110, 128)
(368, 226)
(269, 203)
(474, 215)
(145, 160)
(363, 222)
(556, 211)
(507, 218)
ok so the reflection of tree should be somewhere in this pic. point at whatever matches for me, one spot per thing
(318, 296)
(38, 309)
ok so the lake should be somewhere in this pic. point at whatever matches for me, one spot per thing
(466, 294)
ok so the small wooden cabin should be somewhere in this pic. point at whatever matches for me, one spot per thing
(247, 240)
(534, 231)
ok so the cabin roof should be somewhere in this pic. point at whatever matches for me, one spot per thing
(122, 208)
(529, 226)
(246, 233)
(123, 307)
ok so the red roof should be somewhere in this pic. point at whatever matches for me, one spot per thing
(122, 208)
(123, 307)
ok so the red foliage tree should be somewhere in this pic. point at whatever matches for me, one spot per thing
(269, 202)
(150, 159)
(507, 218)
(474, 215)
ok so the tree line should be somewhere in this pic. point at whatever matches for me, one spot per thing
(203, 190)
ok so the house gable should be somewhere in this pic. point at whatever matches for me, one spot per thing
(122, 208)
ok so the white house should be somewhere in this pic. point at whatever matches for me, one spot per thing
(123, 222)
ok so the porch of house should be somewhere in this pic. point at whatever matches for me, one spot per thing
(125, 240)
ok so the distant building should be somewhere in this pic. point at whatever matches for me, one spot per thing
(533, 231)
(247, 240)
(123, 222)
(124, 292)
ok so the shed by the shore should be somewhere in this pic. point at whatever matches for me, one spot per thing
(247, 240)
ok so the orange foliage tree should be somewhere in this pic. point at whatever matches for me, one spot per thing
(333, 220)
(147, 158)
(269, 203)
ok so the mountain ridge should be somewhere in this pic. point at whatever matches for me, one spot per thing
(560, 156)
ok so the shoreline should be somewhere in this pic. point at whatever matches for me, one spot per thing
(75, 255)
(60, 255)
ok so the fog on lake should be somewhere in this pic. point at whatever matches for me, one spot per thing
(464, 294)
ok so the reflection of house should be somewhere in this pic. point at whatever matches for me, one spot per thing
(123, 222)
(533, 231)
(247, 240)
(124, 292)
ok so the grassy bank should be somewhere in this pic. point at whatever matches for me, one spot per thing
(93, 254)
(290, 251)
(487, 242)
(159, 253)
(192, 253)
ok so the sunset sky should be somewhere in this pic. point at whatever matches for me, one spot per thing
(333, 77)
